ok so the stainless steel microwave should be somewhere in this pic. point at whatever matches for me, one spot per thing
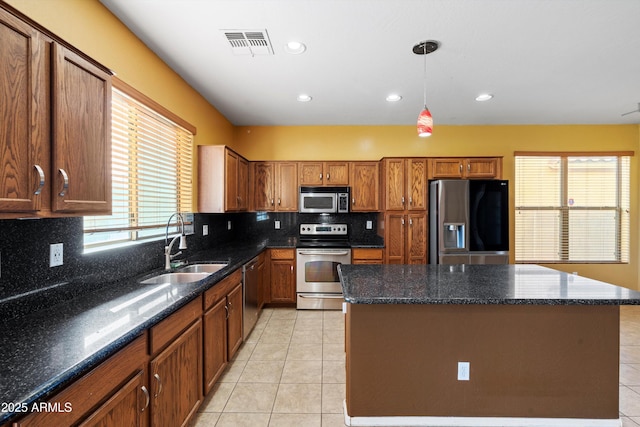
(324, 200)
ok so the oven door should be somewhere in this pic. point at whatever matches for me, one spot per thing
(317, 269)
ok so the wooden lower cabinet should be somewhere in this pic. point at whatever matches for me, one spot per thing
(405, 238)
(176, 376)
(222, 323)
(283, 276)
(125, 408)
(366, 256)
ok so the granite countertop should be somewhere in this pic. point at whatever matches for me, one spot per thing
(475, 284)
(47, 349)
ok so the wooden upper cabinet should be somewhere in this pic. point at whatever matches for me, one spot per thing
(287, 186)
(24, 133)
(274, 186)
(81, 134)
(365, 186)
(323, 173)
(475, 167)
(223, 180)
(405, 183)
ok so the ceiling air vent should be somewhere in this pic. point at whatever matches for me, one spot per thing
(249, 42)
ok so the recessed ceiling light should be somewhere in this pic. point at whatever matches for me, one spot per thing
(303, 97)
(484, 97)
(394, 97)
(295, 48)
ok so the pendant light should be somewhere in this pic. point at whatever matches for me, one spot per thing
(425, 120)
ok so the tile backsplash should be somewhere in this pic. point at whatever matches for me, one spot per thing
(24, 248)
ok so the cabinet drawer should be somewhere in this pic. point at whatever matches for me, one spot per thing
(168, 329)
(222, 288)
(366, 254)
(283, 254)
(91, 389)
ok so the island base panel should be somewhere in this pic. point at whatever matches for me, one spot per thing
(534, 361)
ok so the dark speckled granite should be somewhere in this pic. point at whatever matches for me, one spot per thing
(49, 348)
(475, 284)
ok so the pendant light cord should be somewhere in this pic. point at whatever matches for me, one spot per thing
(425, 75)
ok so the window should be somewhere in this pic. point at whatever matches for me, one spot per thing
(151, 170)
(572, 208)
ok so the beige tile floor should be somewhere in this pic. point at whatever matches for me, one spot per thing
(290, 372)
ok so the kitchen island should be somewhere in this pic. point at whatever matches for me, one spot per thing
(541, 346)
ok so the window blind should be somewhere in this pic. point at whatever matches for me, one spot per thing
(151, 171)
(572, 208)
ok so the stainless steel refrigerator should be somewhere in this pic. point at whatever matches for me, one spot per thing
(469, 221)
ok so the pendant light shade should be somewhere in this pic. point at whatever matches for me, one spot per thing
(425, 120)
(425, 123)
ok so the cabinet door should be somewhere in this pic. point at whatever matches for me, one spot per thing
(447, 168)
(24, 126)
(417, 184)
(311, 173)
(176, 379)
(416, 252)
(215, 343)
(394, 178)
(283, 289)
(365, 186)
(234, 322)
(264, 186)
(287, 186)
(336, 173)
(483, 168)
(394, 238)
(127, 407)
(243, 184)
(230, 181)
(81, 135)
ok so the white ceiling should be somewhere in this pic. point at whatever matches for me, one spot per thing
(546, 61)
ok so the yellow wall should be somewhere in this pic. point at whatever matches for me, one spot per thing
(89, 26)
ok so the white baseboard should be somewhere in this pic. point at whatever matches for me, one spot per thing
(477, 421)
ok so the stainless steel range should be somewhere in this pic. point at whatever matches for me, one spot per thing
(321, 248)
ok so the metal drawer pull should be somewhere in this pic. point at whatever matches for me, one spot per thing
(322, 296)
(460, 168)
(65, 186)
(271, 202)
(320, 177)
(157, 377)
(41, 183)
(323, 253)
(328, 177)
(146, 395)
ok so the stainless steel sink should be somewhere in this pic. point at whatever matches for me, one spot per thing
(175, 278)
(209, 268)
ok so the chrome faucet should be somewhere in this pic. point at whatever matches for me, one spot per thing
(167, 246)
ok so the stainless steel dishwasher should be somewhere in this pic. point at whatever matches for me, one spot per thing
(250, 296)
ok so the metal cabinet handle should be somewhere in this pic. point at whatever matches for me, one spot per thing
(328, 177)
(461, 168)
(65, 186)
(410, 221)
(157, 377)
(146, 395)
(41, 182)
(271, 202)
(226, 308)
(403, 200)
(469, 167)
(279, 201)
(410, 200)
(353, 201)
(320, 177)
(402, 221)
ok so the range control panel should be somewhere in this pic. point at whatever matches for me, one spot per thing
(323, 229)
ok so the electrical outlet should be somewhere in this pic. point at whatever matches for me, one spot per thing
(277, 225)
(228, 225)
(205, 230)
(463, 371)
(55, 255)
(369, 225)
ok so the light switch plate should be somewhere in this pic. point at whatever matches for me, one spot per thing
(205, 230)
(463, 371)
(369, 225)
(228, 225)
(277, 225)
(55, 255)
